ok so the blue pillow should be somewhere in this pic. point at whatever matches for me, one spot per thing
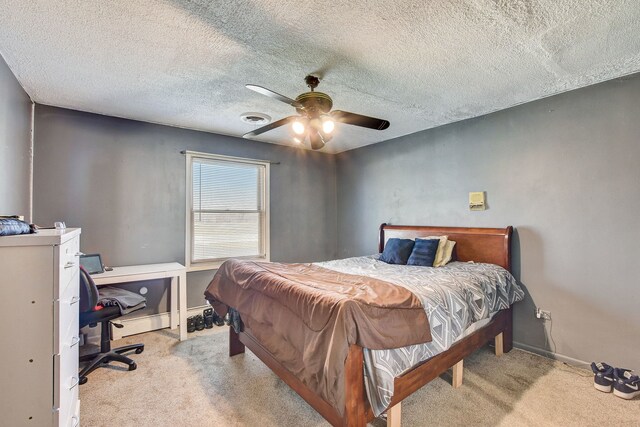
(424, 252)
(397, 251)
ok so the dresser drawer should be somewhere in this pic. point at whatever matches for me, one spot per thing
(68, 263)
(75, 418)
(66, 385)
(66, 312)
(69, 413)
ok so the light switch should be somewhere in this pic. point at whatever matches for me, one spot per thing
(477, 201)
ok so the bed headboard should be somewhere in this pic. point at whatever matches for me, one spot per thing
(491, 245)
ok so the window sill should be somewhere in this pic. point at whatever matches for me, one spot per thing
(215, 265)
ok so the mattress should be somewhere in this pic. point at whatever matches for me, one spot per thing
(458, 299)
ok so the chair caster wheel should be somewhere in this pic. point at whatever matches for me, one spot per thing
(139, 350)
(83, 380)
(133, 367)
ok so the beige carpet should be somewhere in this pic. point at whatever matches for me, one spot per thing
(194, 383)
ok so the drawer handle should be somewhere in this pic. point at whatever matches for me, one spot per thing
(79, 253)
(74, 300)
(69, 264)
(76, 421)
(76, 381)
(74, 342)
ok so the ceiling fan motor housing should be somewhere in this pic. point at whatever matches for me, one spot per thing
(314, 104)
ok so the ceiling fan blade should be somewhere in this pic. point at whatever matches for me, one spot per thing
(326, 137)
(359, 120)
(271, 94)
(316, 140)
(270, 126)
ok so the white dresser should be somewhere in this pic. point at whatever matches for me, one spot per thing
(39, 294)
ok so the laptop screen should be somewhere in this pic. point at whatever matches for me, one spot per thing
(92, 263)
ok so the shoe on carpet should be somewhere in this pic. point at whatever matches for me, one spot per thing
(199, 320)
(191, 324)
(208, 317)
(603, 376)
(626, 385)
(217, 320)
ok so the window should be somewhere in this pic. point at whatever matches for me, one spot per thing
(227, 210)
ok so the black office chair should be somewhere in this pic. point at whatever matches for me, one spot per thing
(91, 314)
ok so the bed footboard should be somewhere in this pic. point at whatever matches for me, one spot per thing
(357, 409)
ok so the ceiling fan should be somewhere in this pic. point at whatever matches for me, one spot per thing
(315, 121)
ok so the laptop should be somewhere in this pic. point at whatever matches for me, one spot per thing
(92, 263)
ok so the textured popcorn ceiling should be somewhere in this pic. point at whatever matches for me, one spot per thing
(418, 64)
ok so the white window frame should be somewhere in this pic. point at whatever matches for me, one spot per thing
(212, 265)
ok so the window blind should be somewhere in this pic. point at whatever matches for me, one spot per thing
(228, 210)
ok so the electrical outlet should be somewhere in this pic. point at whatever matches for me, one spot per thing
(543, 314)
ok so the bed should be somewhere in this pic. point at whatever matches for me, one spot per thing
(482, 246)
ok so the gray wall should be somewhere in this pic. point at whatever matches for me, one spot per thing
(123, 182)
(564, 171)
(15, 145)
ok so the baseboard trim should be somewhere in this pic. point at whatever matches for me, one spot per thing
(148, 323)
(549, 354)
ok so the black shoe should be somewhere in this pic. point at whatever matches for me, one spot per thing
(208, 318)
(191, 324)
(219, 321)
(199, 322)
(626, 385)
(603, 376)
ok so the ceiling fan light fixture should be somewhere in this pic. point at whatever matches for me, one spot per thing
(298, 127)
(297, 140)
(328, 125)
(315, 123)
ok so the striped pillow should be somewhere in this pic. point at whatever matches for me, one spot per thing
(441, 246)
(424, 252)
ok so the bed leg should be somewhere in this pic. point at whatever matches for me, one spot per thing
(355, 411)
(394, 415)
(499, 344)
(235, 346)
(458, 370)
(507, 334)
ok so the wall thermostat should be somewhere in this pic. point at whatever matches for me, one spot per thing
(477, 201)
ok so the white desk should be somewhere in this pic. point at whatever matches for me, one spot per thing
(137, 273)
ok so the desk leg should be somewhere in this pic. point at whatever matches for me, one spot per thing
(174, 302)
(182, 289)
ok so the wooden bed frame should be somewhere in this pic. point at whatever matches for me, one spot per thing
(491, 245)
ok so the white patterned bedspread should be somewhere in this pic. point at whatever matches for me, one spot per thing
(454, 297)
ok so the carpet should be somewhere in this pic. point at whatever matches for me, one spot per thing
(195, 383)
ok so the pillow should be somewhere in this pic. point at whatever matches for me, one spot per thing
(397, 251)
(424, 252)
(447, 253)
(441, 245)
